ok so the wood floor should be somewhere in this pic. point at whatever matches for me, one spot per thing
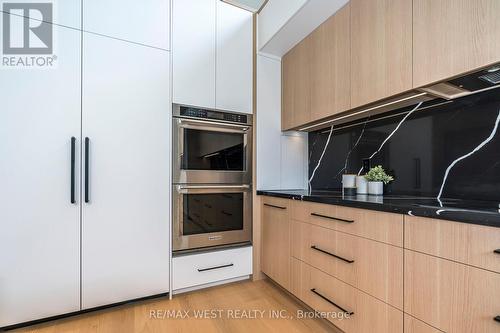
(262, 300)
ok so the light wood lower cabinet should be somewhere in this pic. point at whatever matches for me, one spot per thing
(335, 298)
(371, 266)
(470, 244)
(413, 325)
(275, 259)
(451, 296)
(380, 226)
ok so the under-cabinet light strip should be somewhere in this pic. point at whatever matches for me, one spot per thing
(363, 111)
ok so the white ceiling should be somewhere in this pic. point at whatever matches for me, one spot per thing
(251, 5)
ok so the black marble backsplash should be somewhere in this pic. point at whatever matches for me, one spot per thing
(457, 136)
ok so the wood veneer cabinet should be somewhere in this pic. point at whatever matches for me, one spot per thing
(451, 37)
(275, 255)
(316, 73)
(296, 73)
(470, 244)
(381, 49)
(450, 296)
(330, 66)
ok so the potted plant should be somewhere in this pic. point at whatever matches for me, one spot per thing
(376, 178)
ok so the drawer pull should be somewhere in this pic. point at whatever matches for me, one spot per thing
(215, 267)
(332, 218)
(273, 206)
(497, 318)
(331, 254)
(497, 251)
(350, 313)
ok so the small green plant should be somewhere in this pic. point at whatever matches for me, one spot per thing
(377, 174)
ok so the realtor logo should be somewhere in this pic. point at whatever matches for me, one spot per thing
(27, 34)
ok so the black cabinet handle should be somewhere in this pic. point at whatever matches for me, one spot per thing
(332, 218)
(73, 142)
(87, 147)
(497, 251)
(497, 318)
(273, 206)
(331, 254)
(212, 268)
(350, 313)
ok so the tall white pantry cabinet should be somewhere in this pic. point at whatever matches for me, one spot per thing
(84, 164)
(212, 54)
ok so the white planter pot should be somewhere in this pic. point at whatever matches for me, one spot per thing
(361, 185)
(375, 188)
(348, 180)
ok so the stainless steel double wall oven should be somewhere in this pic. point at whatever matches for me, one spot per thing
(212, 176)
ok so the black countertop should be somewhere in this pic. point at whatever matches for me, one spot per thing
(475, 212)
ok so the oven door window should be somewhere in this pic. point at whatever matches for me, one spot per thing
(210, 150)
(207, 213)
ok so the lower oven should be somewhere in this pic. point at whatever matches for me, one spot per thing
(211, 215)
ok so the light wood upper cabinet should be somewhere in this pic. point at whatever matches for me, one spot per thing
(276, 240)
(297, 85)
(330, 66)
(451, 37)
(381, 49)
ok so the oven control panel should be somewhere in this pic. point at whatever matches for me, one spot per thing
(214, 115)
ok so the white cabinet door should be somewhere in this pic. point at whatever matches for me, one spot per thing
(143, 22)
(39, 226)
(234, 76)
(125, 224)
(193, 47)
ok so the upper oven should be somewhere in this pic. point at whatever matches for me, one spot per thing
(211, 147)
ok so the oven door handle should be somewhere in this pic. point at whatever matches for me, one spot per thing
(242, 128)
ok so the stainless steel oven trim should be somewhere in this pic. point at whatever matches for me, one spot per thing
(176, 112)
(181, 242)
(210, 176)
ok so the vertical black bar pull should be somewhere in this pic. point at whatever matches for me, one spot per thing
(87, 144)
(73, 141)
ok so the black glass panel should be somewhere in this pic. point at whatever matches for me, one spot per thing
(427, 143)
(207, 150)
(205, 213)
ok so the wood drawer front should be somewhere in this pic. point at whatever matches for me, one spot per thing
(370, 314)
(450, 296)
(466, 243)
(275, 255)
(413, 325)
(383, 227)
(377, 268)
(202, 268)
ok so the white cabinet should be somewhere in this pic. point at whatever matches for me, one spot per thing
(125, 229)
(58, 257)
(39, 226)
(212, 51)
(142, 22)
(193, 52)
(234, 69)
(202, 269)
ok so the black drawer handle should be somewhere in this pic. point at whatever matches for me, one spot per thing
(332, 218)
(497, 251)
(73, 141)
(216, 267)
(497, 318)
(350, 313)
(87, 149)
(331, 254)
(273, 206)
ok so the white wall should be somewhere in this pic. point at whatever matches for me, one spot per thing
(273, 16)
(281, 157)
(283, 23)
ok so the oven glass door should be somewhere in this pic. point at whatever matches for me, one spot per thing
(208, 152)
(213, 150)
(211, 215)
